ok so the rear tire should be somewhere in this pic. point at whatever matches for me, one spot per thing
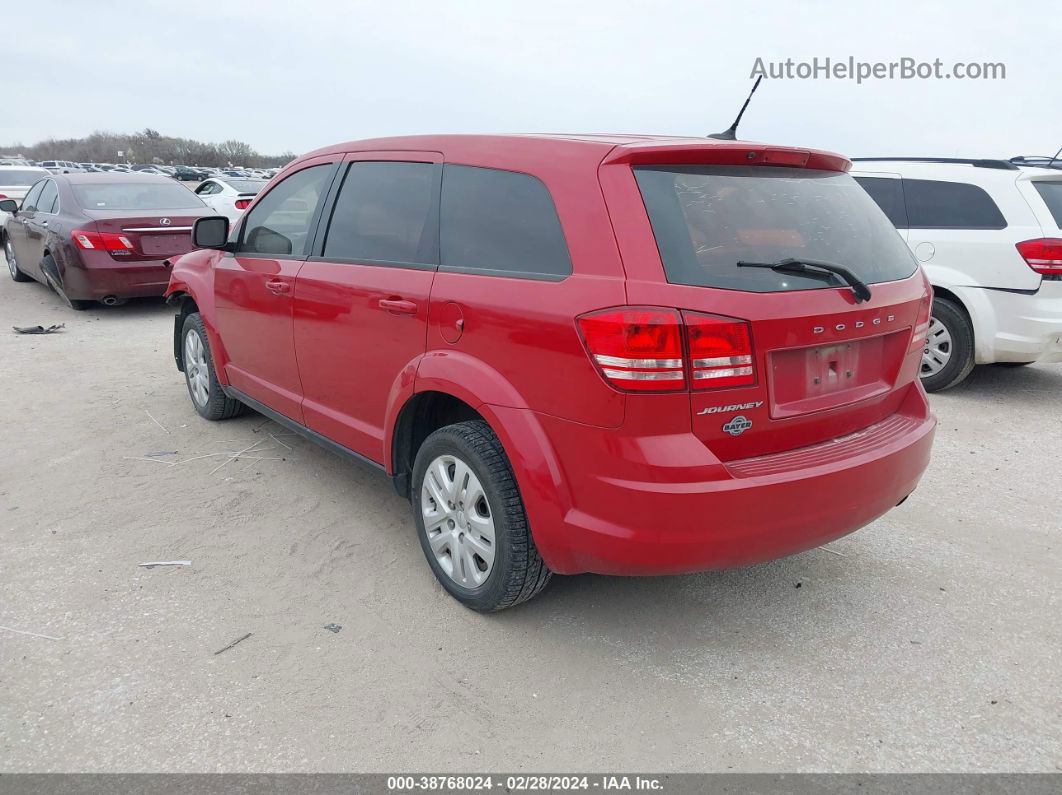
(208, 398)
(12, 265)
(471, 520)
(949, 351)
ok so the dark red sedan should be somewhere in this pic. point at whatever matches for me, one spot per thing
(100, 237)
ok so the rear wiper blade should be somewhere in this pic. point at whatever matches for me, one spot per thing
(811, 267)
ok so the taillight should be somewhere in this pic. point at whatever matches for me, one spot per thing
(921, 327)
(1043, 255)
(243, 204)
(642, 349)
(3, 196)
(720, 351)
(102, 241)
(636, 349)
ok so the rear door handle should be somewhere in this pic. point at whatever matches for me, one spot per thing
(399, 306)
(278, 287)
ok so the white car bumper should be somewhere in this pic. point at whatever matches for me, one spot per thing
(1014, 326)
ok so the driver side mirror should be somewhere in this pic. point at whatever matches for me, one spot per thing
(211, 232)
(8, 206)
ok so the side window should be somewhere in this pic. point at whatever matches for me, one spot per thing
(49, 198)
(384, 213)
(500, 222)
(206, 188)
(932, 204)
(30, 202)
(888, 194)
(280, 224)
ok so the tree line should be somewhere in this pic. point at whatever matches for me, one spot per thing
(148, 146)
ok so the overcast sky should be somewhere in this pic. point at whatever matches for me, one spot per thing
(298, 74)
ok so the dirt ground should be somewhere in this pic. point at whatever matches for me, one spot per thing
(927, 641)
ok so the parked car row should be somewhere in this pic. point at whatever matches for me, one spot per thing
(179, 172)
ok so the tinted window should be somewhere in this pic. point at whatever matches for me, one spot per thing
(888, 195)
(30, 202)
(247, 185)
(707, 219)
(501, 222)
(280, 223)
(1051, 193)
(10, 176)
(135, 196)
(382, 213)
(49, 198)
(932, 204)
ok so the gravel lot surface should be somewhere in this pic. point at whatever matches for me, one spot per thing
(929, 640)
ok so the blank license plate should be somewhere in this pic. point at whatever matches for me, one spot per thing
(166, 244)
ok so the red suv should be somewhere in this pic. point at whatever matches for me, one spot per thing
(614, 354)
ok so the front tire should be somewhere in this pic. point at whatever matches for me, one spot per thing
(948, 356)
(471, 521)
(208, 398)
(12, 265)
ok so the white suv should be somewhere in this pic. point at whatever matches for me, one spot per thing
(987, 233)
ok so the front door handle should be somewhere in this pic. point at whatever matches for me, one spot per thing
(278, 287)
(399, 306)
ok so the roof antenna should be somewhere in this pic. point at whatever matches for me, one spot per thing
(1050, 163)
(731, 133)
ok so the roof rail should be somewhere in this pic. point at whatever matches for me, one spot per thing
(1040, 161)
(1006, 165)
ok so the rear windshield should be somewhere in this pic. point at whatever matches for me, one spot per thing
(247, 185)
(1051, 193)
(708, 218)
(9, 176)
(135, 196)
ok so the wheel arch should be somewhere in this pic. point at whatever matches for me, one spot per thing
(189, 296)
(185, 305)
(459, 395)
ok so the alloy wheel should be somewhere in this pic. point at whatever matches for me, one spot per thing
(196, 370)
(9, 253)
(458, 521)
(937, 353)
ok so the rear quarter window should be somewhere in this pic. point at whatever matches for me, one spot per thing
(887, 193)
(502, 223)
(935, 204)
(706, 219)
(1051, 193)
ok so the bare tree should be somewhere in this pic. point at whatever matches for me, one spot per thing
(147, 146)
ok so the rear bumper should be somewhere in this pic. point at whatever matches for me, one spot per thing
(100, 276)
(1016, 327)
(706, 514)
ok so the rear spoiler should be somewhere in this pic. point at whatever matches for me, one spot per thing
(729, 153)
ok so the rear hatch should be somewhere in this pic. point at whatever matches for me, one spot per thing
(776, 359)
(149, 236)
